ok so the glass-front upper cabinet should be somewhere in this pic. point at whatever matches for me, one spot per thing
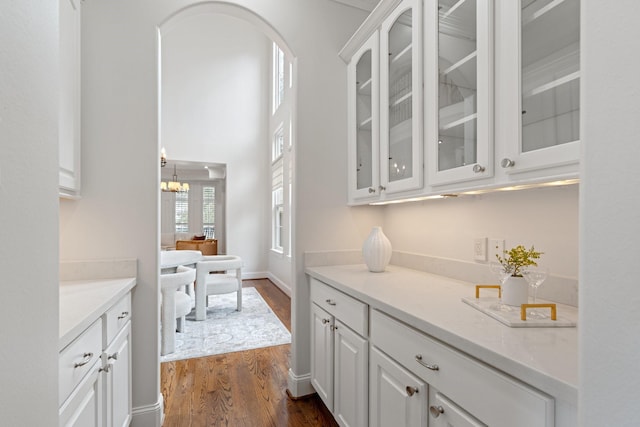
(401, 154)
(459, 90)
(364, 113)
(549, 71)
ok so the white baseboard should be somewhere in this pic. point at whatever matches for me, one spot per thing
(149, 415)
(252, 275)
(299, 385)
(280, 284)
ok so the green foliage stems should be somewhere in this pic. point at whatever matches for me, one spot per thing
(517, 258)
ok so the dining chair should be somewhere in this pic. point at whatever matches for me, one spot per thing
(176, 304)
(217, 274)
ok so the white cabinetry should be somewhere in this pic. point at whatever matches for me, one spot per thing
(385, 105)
(491, 101)
(397, 397)
(95, 372)
(116, 360)
(540, 85)
(339, 353)
(459, 90)
(69, 111)
(464, 390)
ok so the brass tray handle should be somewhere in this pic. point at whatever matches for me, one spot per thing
(478, 287)
(524, 307)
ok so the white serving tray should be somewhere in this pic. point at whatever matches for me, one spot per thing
(510, 316)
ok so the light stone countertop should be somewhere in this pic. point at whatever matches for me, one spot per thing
(82, 302)
(545, 358)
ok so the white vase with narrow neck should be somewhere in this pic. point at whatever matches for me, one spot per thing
(515, 291)
(376, 250)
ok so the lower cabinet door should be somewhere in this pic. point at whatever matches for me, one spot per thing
(322, 354)
(351, 377)
(84, 406)
(445, 413)
(118, 380)
(397, 397)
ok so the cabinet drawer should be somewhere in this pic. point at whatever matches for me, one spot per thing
(115, 318)
(486, 393)
(349, 310)
(78, 358)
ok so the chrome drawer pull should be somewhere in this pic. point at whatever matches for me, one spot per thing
(426, 365)
(86, 359)
(436, 411)
(331, 302)
(123, 315)
(411, 390)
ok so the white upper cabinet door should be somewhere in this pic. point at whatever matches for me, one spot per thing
(541, 92)
(459, 90)
(401, 141)
(69, 113)
(364, 113)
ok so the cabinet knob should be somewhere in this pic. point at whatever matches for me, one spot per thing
(333, 327)
(436, 411)
(106, 368)
(507, 163)
(114, 356)
(426, 365)
(372, 190)
(325, 321)
(86, 358)
(381, 188)
(123, 315)
(330, 302)
(411, 390)
(477, 168)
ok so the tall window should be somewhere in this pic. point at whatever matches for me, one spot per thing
(182, 212)
(281, 152)
(278, 74)
(209, 211)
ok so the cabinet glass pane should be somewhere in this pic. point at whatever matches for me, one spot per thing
(364, 144)
(550, 73)
(457, 89)
(400, 99)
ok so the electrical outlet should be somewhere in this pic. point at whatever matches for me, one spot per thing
(496, 247)
(480, 249)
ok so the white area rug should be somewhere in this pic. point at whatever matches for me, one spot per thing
(227, 330)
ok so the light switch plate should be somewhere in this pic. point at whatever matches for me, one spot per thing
(480, 249)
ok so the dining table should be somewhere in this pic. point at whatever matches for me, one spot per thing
(171, 260)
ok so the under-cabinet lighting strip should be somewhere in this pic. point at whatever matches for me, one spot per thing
(565, 182)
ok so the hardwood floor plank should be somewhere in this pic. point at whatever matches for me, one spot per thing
(246, 388)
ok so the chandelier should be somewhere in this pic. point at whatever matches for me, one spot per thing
(174, 185)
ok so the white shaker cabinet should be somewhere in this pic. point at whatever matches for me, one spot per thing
(397, 397)
(458, 90)
(95, 372)
(340, 354)
(69, 112)
(539, 72)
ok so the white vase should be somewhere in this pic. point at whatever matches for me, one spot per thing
(515, 291)
(376, 250)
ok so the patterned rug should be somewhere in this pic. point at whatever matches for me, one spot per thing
(227, 330)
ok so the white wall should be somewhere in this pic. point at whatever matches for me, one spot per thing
(215, 98)
(118, 215)
(29, 213)
(610, 223)
(545, 217)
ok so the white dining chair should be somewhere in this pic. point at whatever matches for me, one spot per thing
(176, 304)
(217, 274)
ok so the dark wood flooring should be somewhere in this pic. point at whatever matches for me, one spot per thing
(246, 388)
